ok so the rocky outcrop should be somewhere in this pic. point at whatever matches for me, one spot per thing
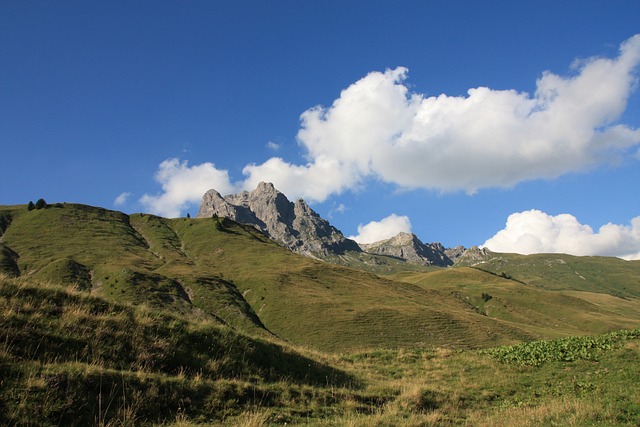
(408, 247)
(455, 253)
(474, 256)
(299, 228)
(294, 225)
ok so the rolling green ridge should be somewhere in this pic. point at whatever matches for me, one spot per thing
(235, 275)
(613, 276)
(540, 312)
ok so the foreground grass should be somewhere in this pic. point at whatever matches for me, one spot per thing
(69, 358)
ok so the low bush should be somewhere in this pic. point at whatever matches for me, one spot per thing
(567, 349)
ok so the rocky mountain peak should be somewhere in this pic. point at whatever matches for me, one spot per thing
(266, 187)
(474, 255)
(403, 238)
(299, 228)
(408, 246)
(294, 225)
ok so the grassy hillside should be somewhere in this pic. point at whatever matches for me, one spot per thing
(70, 358)
(121, 258)
(114, 319)
(232, 274)
(229, 272)
(608, 275)
(540, 312)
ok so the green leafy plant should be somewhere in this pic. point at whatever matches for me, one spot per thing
(567, 349)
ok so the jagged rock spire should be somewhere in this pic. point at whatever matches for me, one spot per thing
(408, 246)
(294, 225)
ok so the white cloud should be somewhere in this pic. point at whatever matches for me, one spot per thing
(489, 138)
(339, 209)
(183, 185)
(537, 232)
(384, 229)
(272, 146)
(121, 199)
(314, 182)
(379, 129)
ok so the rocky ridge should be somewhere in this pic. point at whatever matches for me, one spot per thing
(474, 256)
(294, 225)
(407, 246)
(299, 228)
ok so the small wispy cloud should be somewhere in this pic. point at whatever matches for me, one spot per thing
(122, 199)
(272, 146)
(535, 231)
(339, 209)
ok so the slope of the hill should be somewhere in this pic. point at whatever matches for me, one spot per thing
(69, 358)
(216, 269)
(73, 359)
(542, 313)
(607, 275)
(119, 257)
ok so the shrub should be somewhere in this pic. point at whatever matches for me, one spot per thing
(5, 220)
(218, 222)
(41, 204)
(568, 349)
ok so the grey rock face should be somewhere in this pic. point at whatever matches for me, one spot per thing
(294, 225)
(455, 253)
(408, 247)
(474, 256)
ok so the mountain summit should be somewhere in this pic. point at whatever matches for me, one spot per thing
(408, 247)
(299, 228)
(294, 225)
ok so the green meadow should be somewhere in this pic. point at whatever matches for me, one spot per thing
(115, 319)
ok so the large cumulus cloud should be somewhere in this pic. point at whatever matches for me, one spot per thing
(379, 129)
(534, 231)
(489, 138)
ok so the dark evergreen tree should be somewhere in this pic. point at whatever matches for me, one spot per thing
(5, 220)
(31, 206)
(218, 222)
(41, 204)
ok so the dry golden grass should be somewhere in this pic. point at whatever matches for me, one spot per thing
(252, 418)
(560, 412)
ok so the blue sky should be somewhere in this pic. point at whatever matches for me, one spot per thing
(513, 124)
